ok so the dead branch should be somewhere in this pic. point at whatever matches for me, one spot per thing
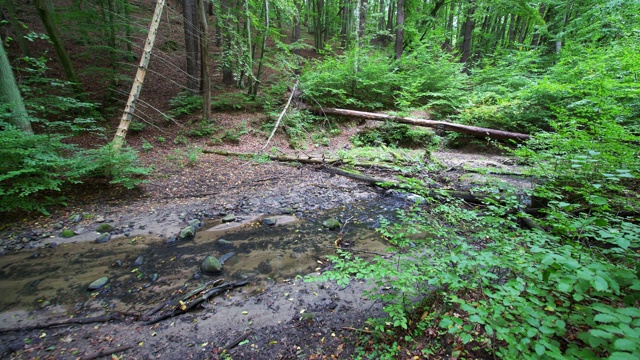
(281, 115)
(105, 352)
(441, 125)
(72, 321)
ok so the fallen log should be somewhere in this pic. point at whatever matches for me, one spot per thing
(441, 125)
(307, 160)
(106, 352)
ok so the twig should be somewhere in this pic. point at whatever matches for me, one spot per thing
(358, 330)
(73, 321)
(233, 343)
(280, 117)
(106, 352)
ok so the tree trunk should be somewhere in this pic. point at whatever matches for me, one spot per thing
(364, 5)
(344, 24)
(205, 78)
(441, 125)
(399, 46)
(468, 32)
(130, 108)
(189, 9)
(17, 27)
(256, 83)
(10, 94)
(46, 14)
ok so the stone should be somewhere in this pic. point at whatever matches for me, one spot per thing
(25, 240)
(67, 233)
(98, 283)
(104, 228)
(79, 231)
(139, 261)
(225, 243)
(58, 226)
(331, 224)
(229, 218)
(270, 221)
(211, 265)
(75, 218)
(187, 233)
(99, 218)
(264, 267)
(195, 223)
(287, 210)
(103, 238)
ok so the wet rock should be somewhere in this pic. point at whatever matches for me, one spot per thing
(226, 257)
(153, 277)
(211, 265)
(270, 221)
(264, 267)
(58, 226)
(229, 218)
(103, 238)
(104, 228)
(75, 218)
(225, 243)
(80, 231)
(187, 233)
(98, 283)
(287, 210)
(99, 218)
(67, 233)
(195, 223)
(25, 240)
(331, 224)
(139, 261)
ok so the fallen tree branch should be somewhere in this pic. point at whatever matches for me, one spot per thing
(441, 125)
(281, 115)
(273, 157)
(105, 352)
(72, 321)
(180, 307)
(233, 343)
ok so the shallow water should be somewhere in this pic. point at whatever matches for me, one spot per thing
(263, 255)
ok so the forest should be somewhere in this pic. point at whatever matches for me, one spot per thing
(91, 89)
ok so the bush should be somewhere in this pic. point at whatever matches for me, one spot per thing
(394, 134)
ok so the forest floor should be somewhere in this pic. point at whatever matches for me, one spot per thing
(290, 319)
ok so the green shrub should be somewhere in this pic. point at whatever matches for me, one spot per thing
(394, 134)
(185, 103)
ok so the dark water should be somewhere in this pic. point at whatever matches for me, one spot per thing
(263, 255)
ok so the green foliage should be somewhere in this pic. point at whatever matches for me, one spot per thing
(233, 135)
(35, 166)
(185, 103)
(370, 80)
(391, 133)
(202, 128)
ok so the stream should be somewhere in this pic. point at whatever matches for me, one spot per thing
(143, 270)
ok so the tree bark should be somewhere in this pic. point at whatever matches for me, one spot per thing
(205, 73)
(10, 94)
(399, 45)
(47, 14)
(364, 5)
(17, 27)
(130, 108)
(468, 32)
(189, 9)
(441, 125)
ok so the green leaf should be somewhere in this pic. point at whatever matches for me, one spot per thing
(539, 349)
(599, 283)
(621, 356)
(606, 318)
(626, 344)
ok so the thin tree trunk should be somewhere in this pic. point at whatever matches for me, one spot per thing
(17, 27)
(10, 94)
(363, 19)
(256, 83)
(130, 108)
(191, 43)
(468, 31)
(399, 45)
(46, 14)
(205, 73)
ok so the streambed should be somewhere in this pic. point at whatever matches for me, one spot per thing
(143, 270)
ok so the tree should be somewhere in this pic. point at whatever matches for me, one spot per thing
(205, 79)
(47, 16)
(10, 94)
(191, 36)
(399, 30)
